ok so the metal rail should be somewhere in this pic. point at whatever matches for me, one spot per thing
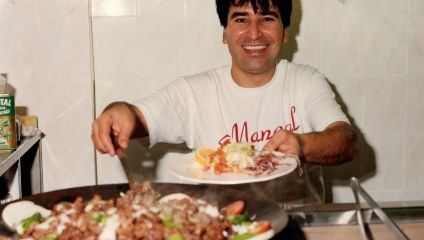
(365, 234)
(357, 188)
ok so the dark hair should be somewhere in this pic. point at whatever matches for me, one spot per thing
(283, 6)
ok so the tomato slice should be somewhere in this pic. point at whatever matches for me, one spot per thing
(218, 169)
(234, 208)
(261, 227)
(221, 168)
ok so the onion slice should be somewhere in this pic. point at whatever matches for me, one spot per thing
(14, 213)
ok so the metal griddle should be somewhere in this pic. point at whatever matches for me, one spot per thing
(262, 208)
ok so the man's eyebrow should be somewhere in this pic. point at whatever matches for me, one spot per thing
(243, 14)
(238, 14)
(270, 13)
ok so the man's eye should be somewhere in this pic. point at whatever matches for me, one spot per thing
(268, 19)
(240, 20)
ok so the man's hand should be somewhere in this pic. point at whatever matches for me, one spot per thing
(336, 144)
(285, 142)
(112, 130)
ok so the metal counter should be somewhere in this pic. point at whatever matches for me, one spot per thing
(338, 221)
(344, 214)
(28, 158)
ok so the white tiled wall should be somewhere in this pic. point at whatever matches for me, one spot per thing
(371, 51)
(44, 48)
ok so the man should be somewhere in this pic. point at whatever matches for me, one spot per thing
(275, 105)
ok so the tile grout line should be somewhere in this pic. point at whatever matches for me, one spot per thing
(93, 81)
(405, 103)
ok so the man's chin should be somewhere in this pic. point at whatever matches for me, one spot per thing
(259, 69)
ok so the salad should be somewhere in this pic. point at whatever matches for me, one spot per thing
(239, 157)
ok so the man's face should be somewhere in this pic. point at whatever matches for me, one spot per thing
(254, 40)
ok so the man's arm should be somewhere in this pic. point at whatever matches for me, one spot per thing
(119, 122)
(335, 145)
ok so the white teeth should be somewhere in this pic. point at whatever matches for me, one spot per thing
(254, 47)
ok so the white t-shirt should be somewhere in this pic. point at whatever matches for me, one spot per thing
(208, 108)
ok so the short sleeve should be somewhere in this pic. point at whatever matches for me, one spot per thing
(321, 106)
(167, 113)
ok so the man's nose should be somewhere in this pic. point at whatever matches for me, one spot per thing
(254, 30)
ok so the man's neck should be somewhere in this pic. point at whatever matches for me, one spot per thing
(251, 80)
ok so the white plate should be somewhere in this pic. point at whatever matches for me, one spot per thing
(188, 169)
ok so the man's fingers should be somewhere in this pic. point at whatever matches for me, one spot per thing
(274, 143)
(115, 129)
(104, 135)
(121, 153)
(124, 137)
(269, 147)
(95, 138)
(286, 149)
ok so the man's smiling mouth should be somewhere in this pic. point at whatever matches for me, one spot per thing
(254, 47)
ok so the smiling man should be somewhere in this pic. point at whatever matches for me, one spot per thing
(254, 40)
(259, 98)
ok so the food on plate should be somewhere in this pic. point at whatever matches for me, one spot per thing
(239, 158)
(173, 196)
(141, 213)
(202, 155)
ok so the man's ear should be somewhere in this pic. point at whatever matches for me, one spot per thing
(224, 36)
(285, 35)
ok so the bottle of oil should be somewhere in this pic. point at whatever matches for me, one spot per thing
(7, 122)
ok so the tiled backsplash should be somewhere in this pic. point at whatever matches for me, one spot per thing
(44, 49)
(114, 8)
(371, 51)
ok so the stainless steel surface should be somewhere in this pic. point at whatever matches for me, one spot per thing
(37, 171)
(377, 210)
(20, 177)
(345, 214)
(128, 174)
(24, 152)
(299, 166)
(25, 145)
(365, 234)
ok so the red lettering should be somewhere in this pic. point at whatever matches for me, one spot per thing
(243, 134)
(278, 129)
(255, 137)
(224, 139)
(234, 132)
(288, 127)
(267, 133)
(292, 111)
(260, 135)
(245, 131)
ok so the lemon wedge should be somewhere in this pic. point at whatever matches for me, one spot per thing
(202, 155)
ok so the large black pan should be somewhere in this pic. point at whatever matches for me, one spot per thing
(262, 208)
